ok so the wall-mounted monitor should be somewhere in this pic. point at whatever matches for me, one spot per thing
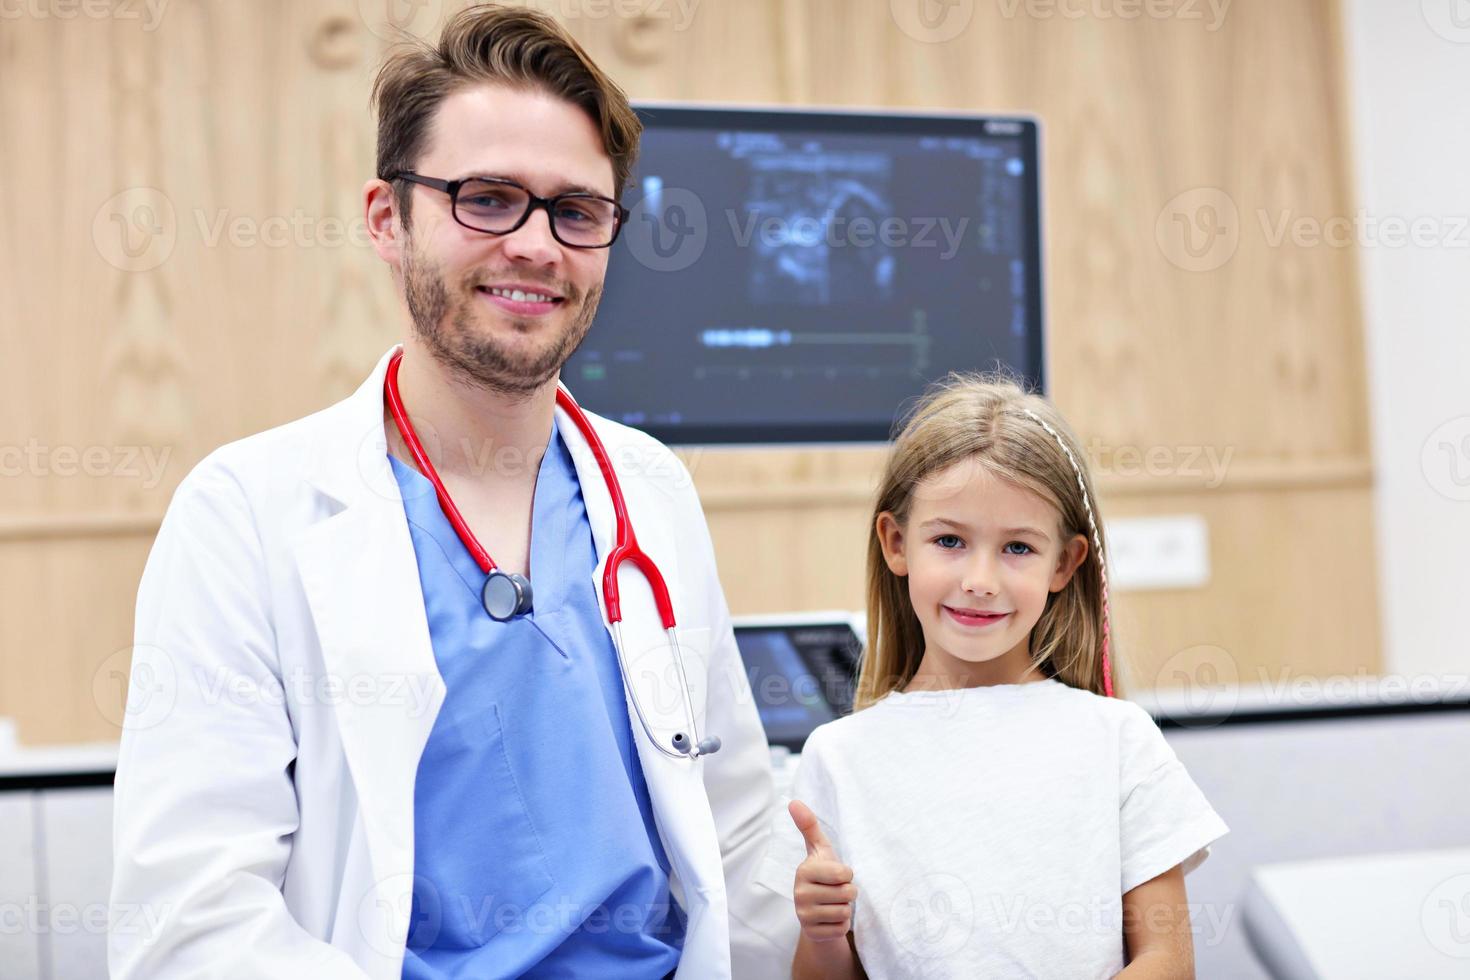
(797, 276)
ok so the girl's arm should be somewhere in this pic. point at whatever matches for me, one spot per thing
(1156, 929)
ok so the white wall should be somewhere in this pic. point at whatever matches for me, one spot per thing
(1408, 77)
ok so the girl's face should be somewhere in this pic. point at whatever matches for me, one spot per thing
(981, 556)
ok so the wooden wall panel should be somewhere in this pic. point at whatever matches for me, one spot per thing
(149, 328)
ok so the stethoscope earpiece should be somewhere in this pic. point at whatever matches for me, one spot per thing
(707, 746)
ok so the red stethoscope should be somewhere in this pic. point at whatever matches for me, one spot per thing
(506, 595)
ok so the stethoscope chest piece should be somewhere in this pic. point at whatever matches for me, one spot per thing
(506, 595)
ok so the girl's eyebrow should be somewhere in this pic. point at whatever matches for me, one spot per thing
(939, 522)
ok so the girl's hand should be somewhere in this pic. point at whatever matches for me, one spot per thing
(824, 890)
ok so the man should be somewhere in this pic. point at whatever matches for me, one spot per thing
(355, 760)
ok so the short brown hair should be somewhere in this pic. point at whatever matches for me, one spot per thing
(492, 43)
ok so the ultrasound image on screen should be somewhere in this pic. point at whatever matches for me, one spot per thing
(802, 260)
(790, 277)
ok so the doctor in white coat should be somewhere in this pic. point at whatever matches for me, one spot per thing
(286, 674)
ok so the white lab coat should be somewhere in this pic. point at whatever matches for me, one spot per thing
(283, 687)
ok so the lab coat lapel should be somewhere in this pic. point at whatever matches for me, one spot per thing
(360, 576)
(675, 786)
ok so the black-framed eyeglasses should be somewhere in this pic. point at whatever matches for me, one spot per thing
(498, 206)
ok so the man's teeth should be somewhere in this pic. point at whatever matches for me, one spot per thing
(520, 297)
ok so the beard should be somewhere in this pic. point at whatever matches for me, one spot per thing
(450, 322)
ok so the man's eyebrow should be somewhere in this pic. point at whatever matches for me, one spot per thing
(566, 187)
(939, 522)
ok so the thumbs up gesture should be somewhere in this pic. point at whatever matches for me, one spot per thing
(824, 890)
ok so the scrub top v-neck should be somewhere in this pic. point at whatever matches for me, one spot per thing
(536, 852)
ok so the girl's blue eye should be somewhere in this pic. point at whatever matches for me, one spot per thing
(946, 537)
(1021, 544)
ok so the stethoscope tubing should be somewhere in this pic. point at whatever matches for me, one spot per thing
(625, 548)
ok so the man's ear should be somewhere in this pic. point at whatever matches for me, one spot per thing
(890, 537)
(1073, 554)
(385, 230)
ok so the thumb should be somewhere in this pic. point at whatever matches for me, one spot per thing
(806, 822)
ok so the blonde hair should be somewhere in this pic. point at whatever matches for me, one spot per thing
(992, 421)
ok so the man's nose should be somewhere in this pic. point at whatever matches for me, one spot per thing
(533, 241)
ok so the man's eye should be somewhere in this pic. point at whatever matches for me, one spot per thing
(484, 202)
(574, 214)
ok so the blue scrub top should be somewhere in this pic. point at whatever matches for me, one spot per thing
(536, 852)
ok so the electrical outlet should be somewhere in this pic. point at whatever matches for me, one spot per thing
(1158, 552)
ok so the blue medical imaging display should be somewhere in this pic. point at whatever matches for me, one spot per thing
(793, 276)
(800, 675)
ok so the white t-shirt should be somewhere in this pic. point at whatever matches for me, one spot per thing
(992, 831)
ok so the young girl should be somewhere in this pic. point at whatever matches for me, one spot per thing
(991, 808)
